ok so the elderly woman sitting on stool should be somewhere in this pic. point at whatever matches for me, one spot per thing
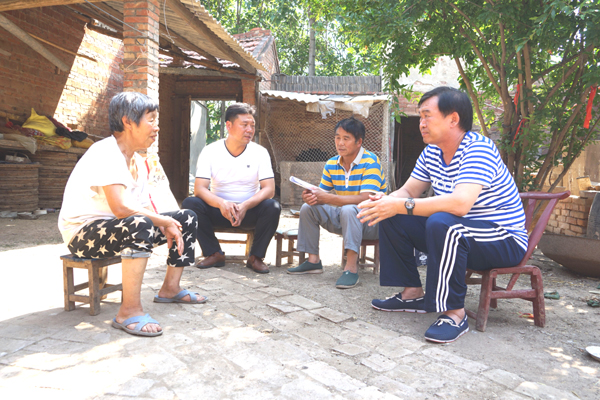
(107, 211)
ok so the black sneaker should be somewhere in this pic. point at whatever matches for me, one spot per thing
(395, 303)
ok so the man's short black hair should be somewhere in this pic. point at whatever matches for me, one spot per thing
(132, 105)
(452, 100)
(238, 109)
(352, 126)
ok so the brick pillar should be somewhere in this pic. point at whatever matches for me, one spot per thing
(140, 60)
(249, 91)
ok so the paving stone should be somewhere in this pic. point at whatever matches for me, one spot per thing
(223, 320)
(394, 348)
(543, 392)
(285, 324)
(226, 274)
(331, 315)
(304, 317)
(346, 364)
(133, 387)
(378, 363)
(303, 302)
(257, 296)
(161, 392)
(350, 349)
(460, 362)
(306, 389)
(331, 377)
(349, 336)
(27, 332)
(8, 345)
(210, 286)
(403, 373)
(317, 336)
(84, 333)
(47, 355)
(251, 283)
(275, 291)
(505, 378)
(395, 387)
(233, 298)
(158, 360)
(284, 306)
(370, 329)
(370, 393)
(510, 395)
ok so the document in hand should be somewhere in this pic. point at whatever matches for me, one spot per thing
(303, 184)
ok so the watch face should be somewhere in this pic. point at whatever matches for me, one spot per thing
(409, 204)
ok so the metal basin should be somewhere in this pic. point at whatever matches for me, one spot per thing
(578, 254)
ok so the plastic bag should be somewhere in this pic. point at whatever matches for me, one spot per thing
(40, 123)
(29, 143)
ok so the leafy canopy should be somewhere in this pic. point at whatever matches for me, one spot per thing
(544, 52)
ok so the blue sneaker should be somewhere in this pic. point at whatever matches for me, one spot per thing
(445, 330)
(395, 303)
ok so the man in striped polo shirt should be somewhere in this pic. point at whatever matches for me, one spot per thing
(354, 174)
(475, 220)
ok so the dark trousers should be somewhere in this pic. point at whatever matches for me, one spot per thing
(109, 237)
(263, 218)
(452, 244)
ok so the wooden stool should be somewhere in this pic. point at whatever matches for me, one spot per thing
(363, 258)
(97, 274)
(291, 235)
(248, 242)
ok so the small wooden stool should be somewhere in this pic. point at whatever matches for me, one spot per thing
(248, 242)
(97, 275)
(291, 235)
(363, 258)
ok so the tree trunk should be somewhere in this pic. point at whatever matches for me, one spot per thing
(312, 47)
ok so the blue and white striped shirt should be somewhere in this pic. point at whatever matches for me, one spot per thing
(478, 161)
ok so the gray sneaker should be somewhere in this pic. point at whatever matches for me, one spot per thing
(347, 280)
(306, 268)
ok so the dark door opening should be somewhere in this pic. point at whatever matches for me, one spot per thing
(408, 145)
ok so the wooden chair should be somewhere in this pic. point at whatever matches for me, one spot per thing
(363, 258)
(491, 292)
(291, 236)
(97, 276)
(248, 242)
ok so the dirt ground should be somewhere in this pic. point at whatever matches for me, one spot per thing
(555, 354)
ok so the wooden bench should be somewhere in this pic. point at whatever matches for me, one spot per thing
(97, 276)
(248, 242)
(363, 258)
(291, 235)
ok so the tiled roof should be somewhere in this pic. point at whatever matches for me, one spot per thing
(255, 42)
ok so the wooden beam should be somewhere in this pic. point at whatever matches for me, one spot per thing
(210, 36)
(63, 49)
(8, 5)
(4, 53)
(183, 43)
(96, 14)
(203, 72)
(31, 42)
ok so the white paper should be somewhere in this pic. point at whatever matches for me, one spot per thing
(303, 184)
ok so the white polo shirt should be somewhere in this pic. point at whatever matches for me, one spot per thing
(234, 178)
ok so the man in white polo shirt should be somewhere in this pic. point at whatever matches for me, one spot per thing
(234, 188)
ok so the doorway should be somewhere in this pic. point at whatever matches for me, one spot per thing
(207, 125)
(408, 145)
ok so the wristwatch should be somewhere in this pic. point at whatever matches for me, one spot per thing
(410, 205)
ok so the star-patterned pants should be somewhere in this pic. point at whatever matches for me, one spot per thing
(109, 237)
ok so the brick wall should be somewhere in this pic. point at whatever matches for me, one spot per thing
(570, 216)
(26, 78)
(83, 104)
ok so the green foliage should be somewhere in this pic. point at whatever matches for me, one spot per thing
(550, 47)
(289, 22)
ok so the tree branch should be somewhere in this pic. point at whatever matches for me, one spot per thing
(473, 96)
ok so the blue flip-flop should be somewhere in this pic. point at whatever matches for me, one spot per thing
(177, 298)
(141, 320)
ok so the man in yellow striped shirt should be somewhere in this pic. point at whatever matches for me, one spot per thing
(348, 179)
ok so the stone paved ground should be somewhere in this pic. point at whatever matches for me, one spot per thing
(252, 340)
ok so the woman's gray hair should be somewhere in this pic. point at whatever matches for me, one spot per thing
(132, 105)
